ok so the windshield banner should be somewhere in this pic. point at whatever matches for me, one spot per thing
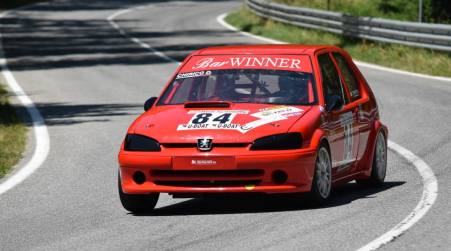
(272, 62)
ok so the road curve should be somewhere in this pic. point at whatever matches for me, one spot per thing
(89, 83)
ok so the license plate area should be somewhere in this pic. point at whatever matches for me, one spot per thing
(203, 162)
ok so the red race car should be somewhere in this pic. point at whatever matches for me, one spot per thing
(258, 118)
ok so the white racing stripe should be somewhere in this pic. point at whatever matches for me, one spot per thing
(40, 129)
(430, 185)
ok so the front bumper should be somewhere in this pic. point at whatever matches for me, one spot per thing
(218, 173)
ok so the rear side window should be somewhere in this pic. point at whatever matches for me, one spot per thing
(348, 76)
(330, 77)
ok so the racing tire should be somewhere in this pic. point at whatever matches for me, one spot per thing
(379, 165)
(137, 203)
(322, 179)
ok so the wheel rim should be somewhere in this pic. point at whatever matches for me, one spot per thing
(381, 156)
(323, 173)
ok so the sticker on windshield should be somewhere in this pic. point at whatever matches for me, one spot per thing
(223, 119)
(249, 61)
(272, 62)
(193, 74)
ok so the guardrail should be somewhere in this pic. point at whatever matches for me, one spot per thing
(424, 35)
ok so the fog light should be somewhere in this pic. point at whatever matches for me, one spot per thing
(139, 177)
(279, 177)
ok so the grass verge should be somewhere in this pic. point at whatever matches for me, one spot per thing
(12, 135)
(391, 55)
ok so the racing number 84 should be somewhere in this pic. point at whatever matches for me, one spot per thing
(202, 118)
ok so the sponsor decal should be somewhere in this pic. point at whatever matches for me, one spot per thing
(346, 120)
(211, 119)
(223, 119)
(248, 61)
(193, 74)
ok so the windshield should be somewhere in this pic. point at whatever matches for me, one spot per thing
(242, 86)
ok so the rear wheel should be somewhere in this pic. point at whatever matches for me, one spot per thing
(379, 166)
(137, 203)
(322, 179)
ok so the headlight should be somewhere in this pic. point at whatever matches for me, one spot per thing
(136, 142)
(285, 141)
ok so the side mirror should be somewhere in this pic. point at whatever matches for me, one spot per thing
(334, 103)
(149, 103)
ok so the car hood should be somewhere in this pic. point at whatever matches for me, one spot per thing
(239, 123)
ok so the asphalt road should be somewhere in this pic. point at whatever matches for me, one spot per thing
(89, 83)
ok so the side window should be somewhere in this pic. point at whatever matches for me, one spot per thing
(348, 75)
(331, 80)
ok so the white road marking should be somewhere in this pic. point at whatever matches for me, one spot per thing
(42, 147)
(430, 191)
(111, 21)
(220, 20)
(430, 185)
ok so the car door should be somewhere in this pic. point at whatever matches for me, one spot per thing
(340, 124)
(352, 87)
(356, 91)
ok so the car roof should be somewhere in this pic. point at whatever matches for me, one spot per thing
(267, 49)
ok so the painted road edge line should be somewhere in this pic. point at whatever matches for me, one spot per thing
(430, 185)
(430, 192)
(41, 134)
(111, 21)
(221, 20)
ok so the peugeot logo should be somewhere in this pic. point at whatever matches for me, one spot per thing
(204, 144)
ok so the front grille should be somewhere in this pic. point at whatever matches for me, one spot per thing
(194, 145)
(207, 178)
(207, 173)
(206, 183)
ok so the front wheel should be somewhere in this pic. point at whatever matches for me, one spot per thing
(379, 166)
(137, 203)
(322, 179)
